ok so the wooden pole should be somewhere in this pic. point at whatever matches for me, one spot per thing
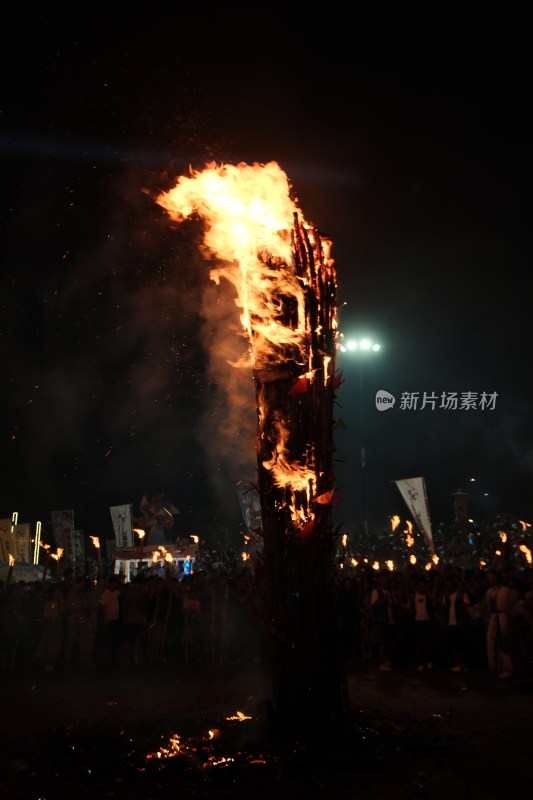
(299, 541)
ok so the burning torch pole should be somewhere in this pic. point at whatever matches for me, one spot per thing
(141, 534)
(46, 547)
(58, 555)
(286, 287)
(11, 565)
(96, 542)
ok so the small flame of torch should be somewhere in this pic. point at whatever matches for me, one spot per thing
(503, 536)
(394, 521)
(412, 558)
(527, 553)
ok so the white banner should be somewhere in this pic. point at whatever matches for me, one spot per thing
(6, 540)
(250, 507)
(413, 491)
(63, 530)
(122, 525)
(21, 542)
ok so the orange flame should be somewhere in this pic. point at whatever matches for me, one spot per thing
(527, 552)
(140, 533)
(524, 524)
(503, 536)
(155, 556)
(249, 218)
(96, 541)
(11, 560)
(390, 565)
(394, 521)
(412, 558)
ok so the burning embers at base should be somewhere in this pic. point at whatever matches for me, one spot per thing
(210, 751)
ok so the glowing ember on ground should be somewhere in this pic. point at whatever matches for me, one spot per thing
(240, 717)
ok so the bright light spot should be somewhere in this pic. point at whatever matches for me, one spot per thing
(365, 344)
(351, 345)
(376, 347)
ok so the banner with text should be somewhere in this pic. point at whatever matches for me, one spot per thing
(63, 531)
(413, 491)
(122, 525)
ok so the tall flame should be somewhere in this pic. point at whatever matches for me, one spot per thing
(249, 220)
(248, 212)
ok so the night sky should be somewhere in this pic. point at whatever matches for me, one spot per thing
(408, 144)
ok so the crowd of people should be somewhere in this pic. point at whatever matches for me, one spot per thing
(468, 604)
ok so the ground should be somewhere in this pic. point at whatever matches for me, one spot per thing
(144, 733)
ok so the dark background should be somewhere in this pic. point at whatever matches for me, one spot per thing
(406, 140)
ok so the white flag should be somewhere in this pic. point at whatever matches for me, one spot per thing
(122, 525)
(413, 491)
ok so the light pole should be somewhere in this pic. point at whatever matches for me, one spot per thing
(362, 348)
